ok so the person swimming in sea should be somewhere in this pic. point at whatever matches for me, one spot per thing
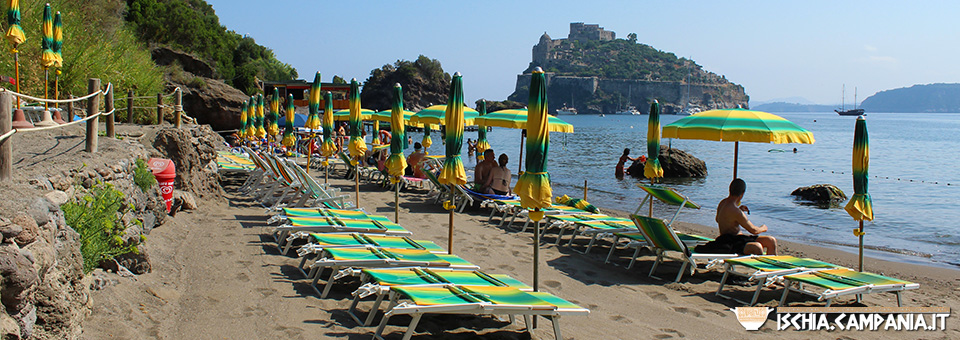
(623, 160)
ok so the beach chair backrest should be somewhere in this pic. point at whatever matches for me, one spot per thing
(256, 159)
(346, 159)
(658, 234)
(282, 170)
(668, 196)
(308, 181)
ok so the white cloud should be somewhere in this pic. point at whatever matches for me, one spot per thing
(870, 48)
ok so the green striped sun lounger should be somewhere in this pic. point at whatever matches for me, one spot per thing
(475, 300)
(374, 257)
(564, 222)
(379, 281)
(327, 224)
(661, 238)
(665, 195)
(319, 241)
(766, 268)
(839, 282)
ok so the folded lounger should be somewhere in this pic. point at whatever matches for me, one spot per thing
(661, 238)
(319, 241)
(378, 281)
(475, 300)
(761, 269)
(842, 281)
(374, 257)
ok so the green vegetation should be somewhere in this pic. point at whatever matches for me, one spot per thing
(96, 217)
(192, 26)
(501, 105)
(96, 45)
(143, 176)
(424, 83)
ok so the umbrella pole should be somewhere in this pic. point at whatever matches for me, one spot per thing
(860, 263)
(16, 66)
(536, 262)
(356, 178)
(46, 86)
(520, 162)
(326, 174)
(396, 201)
(450, 231)
(736, 154)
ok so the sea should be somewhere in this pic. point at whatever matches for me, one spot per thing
(913, 178)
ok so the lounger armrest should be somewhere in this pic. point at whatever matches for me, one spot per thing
(777, 273)
(409, 308)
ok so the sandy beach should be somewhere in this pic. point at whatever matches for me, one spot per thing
(218, 275)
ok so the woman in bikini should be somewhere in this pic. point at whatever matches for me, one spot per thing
(623, 160)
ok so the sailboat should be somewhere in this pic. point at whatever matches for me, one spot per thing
(572, 110)
(630, 110)
(685, 98)
(852, 112)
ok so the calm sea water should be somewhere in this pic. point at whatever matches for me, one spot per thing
(914, 177)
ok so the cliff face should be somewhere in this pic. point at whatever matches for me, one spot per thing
(596, 73)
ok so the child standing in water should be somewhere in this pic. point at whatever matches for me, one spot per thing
(623, 160)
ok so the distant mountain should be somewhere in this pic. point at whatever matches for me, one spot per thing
(793, 107)
(918, 98)
(790, 100)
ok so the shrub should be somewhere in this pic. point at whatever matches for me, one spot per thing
(96, 217)
(143, 176)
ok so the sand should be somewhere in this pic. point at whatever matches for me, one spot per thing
(217, 275)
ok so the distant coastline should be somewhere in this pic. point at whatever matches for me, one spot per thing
(794, 107)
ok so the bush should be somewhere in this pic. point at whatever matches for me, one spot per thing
(96, 217)
(143, 176)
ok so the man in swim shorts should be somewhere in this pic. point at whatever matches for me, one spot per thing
(730, 217)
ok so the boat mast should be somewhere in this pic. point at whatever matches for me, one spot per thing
(854, 97)
(843, 95)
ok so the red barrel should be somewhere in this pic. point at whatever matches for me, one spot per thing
(166, 174)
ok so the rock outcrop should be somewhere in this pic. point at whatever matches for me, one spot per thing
(209, 100)
(821, 194)
(193, 151)
(165, 56)
(676, 163)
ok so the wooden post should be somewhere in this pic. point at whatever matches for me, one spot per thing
(584, 190)
(93, 106)
(69, 116)
(6, 146)
(159, 108)
(130, 106)
(108, 106)
(178, 108)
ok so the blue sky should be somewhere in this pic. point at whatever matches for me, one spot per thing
(775, 49)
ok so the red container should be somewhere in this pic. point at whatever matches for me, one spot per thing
(166, 174)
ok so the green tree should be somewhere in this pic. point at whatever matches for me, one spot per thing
(424, 83)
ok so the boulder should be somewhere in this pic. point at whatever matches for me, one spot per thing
(190, 63)
(56, 197)
(821, 194)
(137, 262)
(191, 150)
(185, 200)
(9, 230)
(19, 278)
(676, 163)
(44, 256)
(214, 103)
(9, 329)
(30, 230)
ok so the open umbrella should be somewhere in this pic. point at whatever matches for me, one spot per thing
(273, 128)
(387, 117)
(313, 120)
(436, 115)
(289, 140)
(453, 173)
(738, 125)
(47, 57)
(652, 168)
(396, 163)
(344, 115)
(261, 118)
(357, 146)
(517, 119)
(329, 147)
(860, 206)
(533, 186)
(242, 132)
(15, 36)
(482, 143)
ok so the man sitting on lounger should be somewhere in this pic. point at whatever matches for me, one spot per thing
(414, 168)
(499, 180)
(481, 173)
(731, 216)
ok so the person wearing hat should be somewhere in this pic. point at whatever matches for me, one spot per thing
(414, 167)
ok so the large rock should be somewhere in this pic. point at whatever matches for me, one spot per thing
(9, 329)
(62, 300)
(191, 151)
(821, 194)
(30, 230)
(214, 103)
(190, 63)
(676, 163)
(19, 278)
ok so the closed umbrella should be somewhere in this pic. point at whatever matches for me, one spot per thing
(58, 53)
(427, 141)
(738, 125)
(396, 163)
(16, 37)
(357, 146)
(261, 118)
(482, 143)
(313, 120)
(47, 57)
(252, 118)
(453, 173)
(533, 186)
(289, 140)
(273, 128)
(329, 147)
(242, 132)
(860, 206)
(652, 168)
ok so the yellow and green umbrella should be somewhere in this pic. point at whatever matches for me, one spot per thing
(517, 119)
(482, 143)
(289, 140)
(453, 173)
(313, 120)
(47, 56)
(436, 115)
(16, 37)
(427, 141)
(242, 132)
(329, 147)
(344, 115)
(860, 206)
(387, 116)
(533, 186)
(252, 118)
(396, 163)
(738, 125)
(57, 40)
(357, 146)
(652, 168)
(273, 119)
(261, 118)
